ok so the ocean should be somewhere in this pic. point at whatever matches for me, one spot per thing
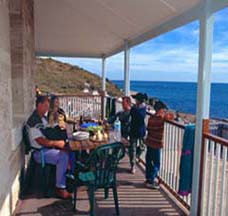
(181, 96)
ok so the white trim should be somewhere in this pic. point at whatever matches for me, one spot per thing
(203, 94)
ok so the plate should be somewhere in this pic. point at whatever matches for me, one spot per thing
(80, 135)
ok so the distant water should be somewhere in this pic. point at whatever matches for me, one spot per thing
(181, 96)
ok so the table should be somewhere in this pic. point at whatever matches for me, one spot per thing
(76, 145)
(85, 145)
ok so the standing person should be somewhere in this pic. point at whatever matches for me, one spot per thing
(124, 117)
(138, 127)
(154, 142)
(52, 149)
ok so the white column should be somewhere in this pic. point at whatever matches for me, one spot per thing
(203, 94)
(103, 87)
(103, 75)
(126, 70)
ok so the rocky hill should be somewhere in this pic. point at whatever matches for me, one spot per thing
(57, 77)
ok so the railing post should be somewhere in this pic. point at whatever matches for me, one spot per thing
(206, 127)
(203, 94)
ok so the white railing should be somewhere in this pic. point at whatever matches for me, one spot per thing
(170, 162)
(213, 182)
(81, 105)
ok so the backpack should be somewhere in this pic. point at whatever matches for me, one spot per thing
(25, 137)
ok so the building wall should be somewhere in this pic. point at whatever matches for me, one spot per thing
(16, 99)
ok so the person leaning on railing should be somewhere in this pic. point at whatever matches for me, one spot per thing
(154, 142)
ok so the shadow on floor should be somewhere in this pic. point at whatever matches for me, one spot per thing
(134, 200)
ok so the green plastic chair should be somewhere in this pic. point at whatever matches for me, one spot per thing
(99, 171)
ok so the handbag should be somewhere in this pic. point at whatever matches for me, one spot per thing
(54, 133)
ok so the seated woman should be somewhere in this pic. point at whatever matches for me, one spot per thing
(56, 129)
(56, 115)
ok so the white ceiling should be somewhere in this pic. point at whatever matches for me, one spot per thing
(95, 28)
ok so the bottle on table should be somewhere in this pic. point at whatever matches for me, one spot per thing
(81, 120)
(117, 129)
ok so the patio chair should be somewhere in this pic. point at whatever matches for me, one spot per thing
(99, 171)
(45, 170)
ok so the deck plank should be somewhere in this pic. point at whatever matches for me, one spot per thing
(134, 200)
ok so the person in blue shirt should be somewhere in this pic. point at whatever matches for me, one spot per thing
(138, 127)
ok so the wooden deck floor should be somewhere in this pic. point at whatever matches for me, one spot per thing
(134, 200)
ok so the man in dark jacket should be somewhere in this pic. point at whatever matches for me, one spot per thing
(138, 127)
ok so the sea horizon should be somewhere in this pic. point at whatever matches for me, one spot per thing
(181, 96)
(113, 80)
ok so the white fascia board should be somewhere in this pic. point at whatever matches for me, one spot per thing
(187, 17)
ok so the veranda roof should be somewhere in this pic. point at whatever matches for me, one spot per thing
(96, 28)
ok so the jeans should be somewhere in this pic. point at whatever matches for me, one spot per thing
(132, 151)
(153, 156)
(55, 157)
(135, 149)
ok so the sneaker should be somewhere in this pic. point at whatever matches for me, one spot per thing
(133, 170)
(152, 185)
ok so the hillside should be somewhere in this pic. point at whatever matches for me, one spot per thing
(57, 77)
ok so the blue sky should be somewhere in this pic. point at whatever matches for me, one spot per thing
(170, 57)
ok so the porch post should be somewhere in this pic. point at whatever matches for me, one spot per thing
(103, 108)
(126, 69)
(103, 74)
(203, 96)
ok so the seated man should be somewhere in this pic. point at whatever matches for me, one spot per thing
(52, 149)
